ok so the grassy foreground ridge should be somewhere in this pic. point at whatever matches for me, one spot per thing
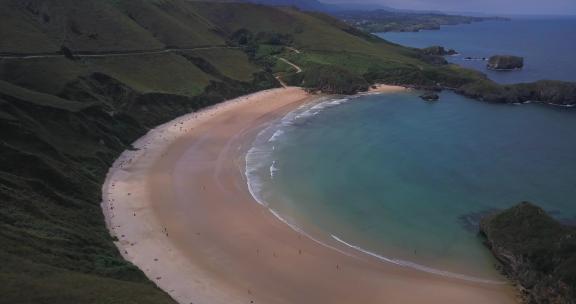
(64, 118)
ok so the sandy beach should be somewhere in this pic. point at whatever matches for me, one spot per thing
(181, 210)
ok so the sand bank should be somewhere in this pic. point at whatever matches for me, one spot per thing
(182, 212)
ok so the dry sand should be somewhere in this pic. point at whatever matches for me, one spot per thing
(182, 212)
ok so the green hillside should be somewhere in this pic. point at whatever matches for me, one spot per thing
(64, 122)
(315, 35)
(110, 70)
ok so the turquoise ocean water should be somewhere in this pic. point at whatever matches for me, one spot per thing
(405, 179)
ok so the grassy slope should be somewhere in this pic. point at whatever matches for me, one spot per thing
(80, 25)
(37, 26)
(161, 73)
(232, 63)
(55, 248)
(173, 22)
(19, 35)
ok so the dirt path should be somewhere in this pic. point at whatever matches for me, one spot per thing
(298, 69)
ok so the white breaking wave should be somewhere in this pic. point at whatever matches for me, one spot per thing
(259, 156)
(276, 135)
(273, 169)
(418, 266)
(255, 184)
(299, 230)
(283, 220)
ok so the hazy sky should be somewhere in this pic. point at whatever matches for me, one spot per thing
(563, 7)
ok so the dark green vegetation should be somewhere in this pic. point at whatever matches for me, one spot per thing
(505, 62)
(378, 21)
(536, 251)
(437, 50)
(64, 118)
(550, 91)
(435, 54)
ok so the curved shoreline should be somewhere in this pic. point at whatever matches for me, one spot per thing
(180, 208)
(263, 148)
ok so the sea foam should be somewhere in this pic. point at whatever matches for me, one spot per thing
(417, 266)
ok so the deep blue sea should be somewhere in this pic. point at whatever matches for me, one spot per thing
(405, 179)
(547, 45)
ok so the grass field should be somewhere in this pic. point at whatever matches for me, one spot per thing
(232, 63)
(171, 74)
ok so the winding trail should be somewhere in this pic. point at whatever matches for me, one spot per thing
(293, 49)
(282, 83)
(297, 68)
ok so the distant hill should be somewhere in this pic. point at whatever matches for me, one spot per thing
(375, 21)
(378, 18)
(310, 5)
(315, 5)
(362, 7)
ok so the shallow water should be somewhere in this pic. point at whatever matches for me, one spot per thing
(397, 176)
(548, 45)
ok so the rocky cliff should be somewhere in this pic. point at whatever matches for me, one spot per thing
(536, 252)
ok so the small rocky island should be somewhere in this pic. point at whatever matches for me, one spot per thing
(435, 54)
(437, 50)
(430, 96)
(505, 63)
(536, 251)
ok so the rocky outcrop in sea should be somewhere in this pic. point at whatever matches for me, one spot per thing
(536, 252)
(505, 62)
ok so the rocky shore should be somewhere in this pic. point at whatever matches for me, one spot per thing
(536, 251)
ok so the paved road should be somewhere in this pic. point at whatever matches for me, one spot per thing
(139, 53)
(112, 54)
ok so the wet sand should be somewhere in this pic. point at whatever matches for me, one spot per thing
(182, 212)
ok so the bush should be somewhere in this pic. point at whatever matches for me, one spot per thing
(330, 79)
